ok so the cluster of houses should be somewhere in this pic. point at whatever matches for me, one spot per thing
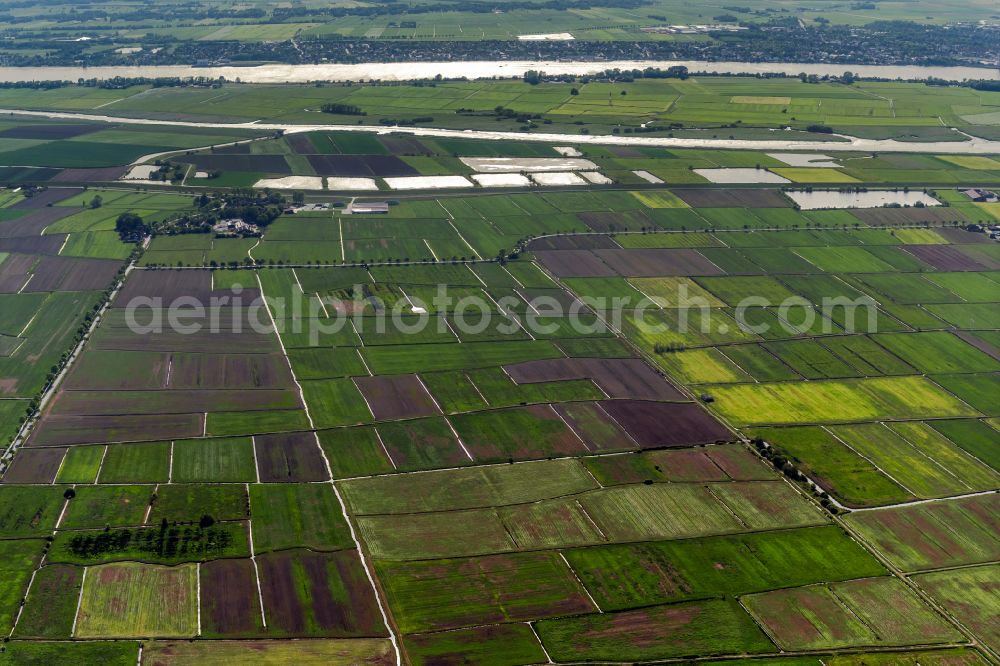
(991, 230)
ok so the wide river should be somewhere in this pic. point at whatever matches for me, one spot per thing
(403, 71)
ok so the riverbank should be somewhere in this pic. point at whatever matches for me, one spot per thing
(406, 71)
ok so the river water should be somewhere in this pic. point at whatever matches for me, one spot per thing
(403, 71)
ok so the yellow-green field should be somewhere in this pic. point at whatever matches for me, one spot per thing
(659, 199)
(836, 401)
(132, 600)
(972, 161)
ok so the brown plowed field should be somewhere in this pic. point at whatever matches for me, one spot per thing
(659, 424)
(617, 377)
(574, 263)
(101, 174)
(111, 403)
(33, 244)
(33, 223)
(599, 432)
(221, 342)
(62, 430)
(229, 602)
(298, 588)
(398, 397)
(367, 166)
(945, 258)
(587, 242)
(167, 285)
(900, 216)
(72, 274)
(34, 466)
(659, 262)
(959, 236)
(289, 458)
(14, 272)
(733, 198)
(232, 371)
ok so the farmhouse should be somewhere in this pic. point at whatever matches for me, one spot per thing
(980, 195)
(235, 227)
(306, 208)
(370, 208)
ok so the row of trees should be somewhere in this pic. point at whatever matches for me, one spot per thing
(202, 539)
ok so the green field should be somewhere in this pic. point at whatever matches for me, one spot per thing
(866, 612)
(20, 557)
(226, 460)
(700, 626)
(917, 458)
(435, 595)
(112, 653)
(929, 536)
(136, 463)
(28, 511)
(309, 652)
(297, 515)
(499, 645)
(633, 575)
(51, 607)
(969, 594)
(466, 488)
(839, 469)
(667, 511)
(81, 464)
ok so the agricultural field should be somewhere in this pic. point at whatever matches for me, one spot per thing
(725, 106)
(607, 422)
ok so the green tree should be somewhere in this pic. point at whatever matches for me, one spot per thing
(130, 224)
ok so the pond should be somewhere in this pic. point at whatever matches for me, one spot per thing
(818, 199)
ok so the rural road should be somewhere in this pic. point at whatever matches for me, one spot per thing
(852, 144)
